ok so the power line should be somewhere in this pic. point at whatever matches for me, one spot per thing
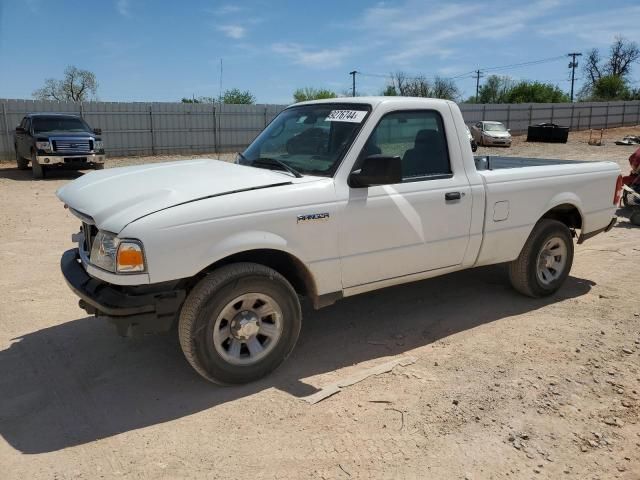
(470, 74)
(523, 64)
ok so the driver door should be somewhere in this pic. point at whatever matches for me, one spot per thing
(417, 225)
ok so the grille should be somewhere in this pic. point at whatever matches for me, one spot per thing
(73, 145)
(89, 232)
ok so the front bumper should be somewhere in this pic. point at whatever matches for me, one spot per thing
(497, 141)
(134, 310)
(56, 159)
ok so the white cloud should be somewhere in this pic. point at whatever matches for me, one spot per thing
(422, 28)
(233, 31)
(311, 57)
(596, 28)
(123, 7)
(226, 9)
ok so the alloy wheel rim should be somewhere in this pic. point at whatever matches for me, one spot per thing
(551, 261)
(247, 329)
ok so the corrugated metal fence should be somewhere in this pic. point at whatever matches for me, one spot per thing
(166, 128)
(152, 128)
(576, 116)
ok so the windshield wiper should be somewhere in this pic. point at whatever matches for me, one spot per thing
(271, 162)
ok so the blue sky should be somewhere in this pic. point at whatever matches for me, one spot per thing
(145, 50)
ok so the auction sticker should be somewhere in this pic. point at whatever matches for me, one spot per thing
(353, 116)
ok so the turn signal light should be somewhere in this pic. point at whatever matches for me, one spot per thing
(129, 258)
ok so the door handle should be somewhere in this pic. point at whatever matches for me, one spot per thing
(452, 196)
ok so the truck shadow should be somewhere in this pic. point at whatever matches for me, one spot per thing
(77, 382)
(12, 173)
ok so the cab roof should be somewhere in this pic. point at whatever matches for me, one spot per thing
(375, 101)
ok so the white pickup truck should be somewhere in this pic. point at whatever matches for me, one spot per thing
(334, 198)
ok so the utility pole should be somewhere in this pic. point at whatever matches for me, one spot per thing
(478, 75)
(572, 65)
(220, 90)
(353, 87)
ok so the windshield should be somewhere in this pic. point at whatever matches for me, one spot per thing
(311, 139)
(494, 127)
(59, 124)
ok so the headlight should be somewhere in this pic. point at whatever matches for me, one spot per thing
(46, 146)
(98, 145)
(114, 255)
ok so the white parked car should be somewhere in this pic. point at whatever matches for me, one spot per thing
(490, 134)
(334, 198)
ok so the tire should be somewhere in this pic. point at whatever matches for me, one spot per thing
(628, 200)
(635, 217)
(214, 310)
(474, 147)
(625, 198)
(36, 168)
(98, 166)
(528, 273)
(23, 163)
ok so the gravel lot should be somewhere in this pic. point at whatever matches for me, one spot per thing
(502, 386)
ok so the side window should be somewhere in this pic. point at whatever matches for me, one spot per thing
(417, 137)
(27, 124)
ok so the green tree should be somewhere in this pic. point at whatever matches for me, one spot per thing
(610, 87)
(310, 93)
(237, 96)
(198, 100)
(535, 92)
(390, 91)
(496, 88)
(76, 86)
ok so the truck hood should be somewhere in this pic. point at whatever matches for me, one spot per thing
(115, 197)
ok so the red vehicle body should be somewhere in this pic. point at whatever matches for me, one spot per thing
(633, 179)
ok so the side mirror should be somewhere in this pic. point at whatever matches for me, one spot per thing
(20, 130)
(377, 170)
(509, 130)
(97, 131)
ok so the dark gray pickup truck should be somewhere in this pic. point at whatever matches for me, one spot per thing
(51, 140)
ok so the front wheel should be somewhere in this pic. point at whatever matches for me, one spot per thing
(23, 163)
(239, 323)
(545, 260)
(36, 168)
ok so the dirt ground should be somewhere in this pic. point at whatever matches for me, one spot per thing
(502, 386)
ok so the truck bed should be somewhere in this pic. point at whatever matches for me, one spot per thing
(486, 162)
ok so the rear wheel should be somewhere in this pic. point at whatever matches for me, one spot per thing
(545, 260)
(98, 166)
(23, 163)
(239, 323)
(635, 217)
(36, 168)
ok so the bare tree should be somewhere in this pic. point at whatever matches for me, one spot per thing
(410, 86)
(445, 88)
(76, 86)
(592, 67)
(420, 86)
(622, 54)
